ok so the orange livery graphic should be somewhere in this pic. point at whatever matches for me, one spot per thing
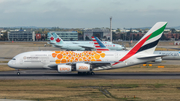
(83, 67)
(71, 56)
(64, 69)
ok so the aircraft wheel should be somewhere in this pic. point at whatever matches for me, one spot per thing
(88, 73)
(80, 73)
(84, 73)
(92, 73)
(18, 73)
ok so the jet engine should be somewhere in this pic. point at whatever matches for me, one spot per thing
(158, 60)
(82, 67)
(64, 68)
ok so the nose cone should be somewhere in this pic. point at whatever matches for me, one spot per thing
(11, 64)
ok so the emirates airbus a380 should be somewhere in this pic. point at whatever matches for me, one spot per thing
(89, 61)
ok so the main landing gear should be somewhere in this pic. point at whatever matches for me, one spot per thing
(86, 73)
(18, 73)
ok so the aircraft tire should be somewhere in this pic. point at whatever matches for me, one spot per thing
(92, 73)
(18, 73)
(79, 73)
(88, 73)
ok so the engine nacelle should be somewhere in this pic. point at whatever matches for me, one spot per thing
(82, 67)
(158, 60)
(64, 68)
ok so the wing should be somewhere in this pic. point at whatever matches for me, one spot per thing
(96, 65)
(87, 47)
(58, 46)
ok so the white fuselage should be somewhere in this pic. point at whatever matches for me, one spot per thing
(44, 59)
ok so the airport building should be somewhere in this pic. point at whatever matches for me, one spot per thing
(66, 35)
(21, 35)
(100, 33)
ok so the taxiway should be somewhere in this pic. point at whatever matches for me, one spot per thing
(51, 74)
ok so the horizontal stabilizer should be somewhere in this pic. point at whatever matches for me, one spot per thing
(151, 56)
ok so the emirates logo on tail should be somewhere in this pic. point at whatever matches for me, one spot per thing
(58, 40)
(52, 38)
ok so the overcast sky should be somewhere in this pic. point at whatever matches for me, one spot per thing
(88, 13)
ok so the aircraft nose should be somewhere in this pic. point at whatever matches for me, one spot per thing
(11, 64)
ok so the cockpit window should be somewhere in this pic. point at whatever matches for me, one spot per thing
(13, 59)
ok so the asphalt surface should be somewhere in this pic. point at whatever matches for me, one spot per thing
(51, 74)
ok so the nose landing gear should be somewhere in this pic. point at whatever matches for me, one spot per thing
(18, 73)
